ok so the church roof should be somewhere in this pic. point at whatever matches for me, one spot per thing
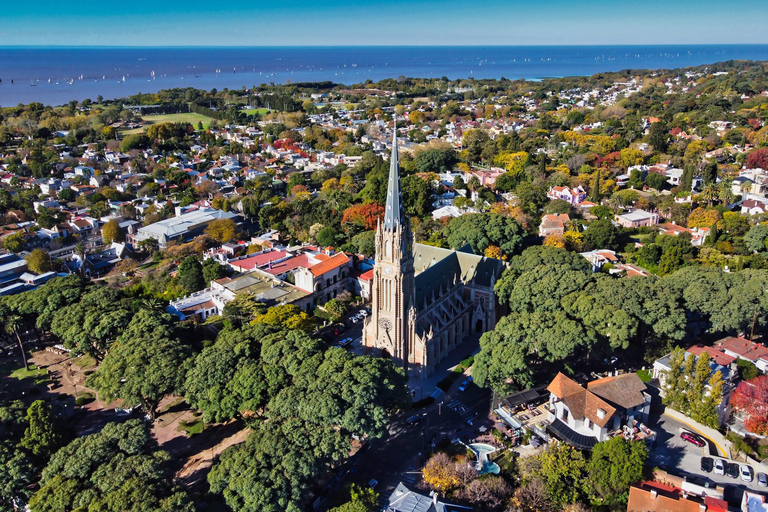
(437, 268)
(393, 212)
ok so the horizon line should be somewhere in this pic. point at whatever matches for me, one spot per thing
(332, 46)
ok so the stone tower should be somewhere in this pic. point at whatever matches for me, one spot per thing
(390, 327)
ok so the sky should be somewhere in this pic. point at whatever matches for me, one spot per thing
(381, 22)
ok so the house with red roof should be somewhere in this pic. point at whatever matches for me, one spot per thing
(608, 407)
(572, 195)
(325, 276)
(653, 496)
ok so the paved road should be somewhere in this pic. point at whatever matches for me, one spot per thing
(682, 458)
(401, 455)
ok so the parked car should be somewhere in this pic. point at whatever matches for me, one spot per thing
(372, 483)
(719, 467)
(762, 480)
(747, 474)
(464, 385)
(413, 420)
(363, 313)
(355, 319)
(707, 464)
(345, 342)
(732, 470)
(693, 438)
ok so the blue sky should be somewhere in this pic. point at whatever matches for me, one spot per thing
(382, 22)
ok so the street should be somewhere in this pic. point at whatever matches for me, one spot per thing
(401, 455)
(679, 457)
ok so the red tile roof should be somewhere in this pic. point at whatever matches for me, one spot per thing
(717, 355)
(331, 263)
(258, 260)
(301, 260)
(366, 276)
(744, 348)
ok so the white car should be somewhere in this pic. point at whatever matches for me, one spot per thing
(355, 319)
(362, 313)
(746, 473)
(719, 467)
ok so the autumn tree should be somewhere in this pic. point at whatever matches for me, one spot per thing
(757, 159)
(750, 399)
(440, 473)
(222, 230)
(363, 216)
(112, 232)
(39, 261)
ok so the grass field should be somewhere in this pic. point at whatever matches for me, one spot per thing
(191, 118)
(33, 371)
(260, 111)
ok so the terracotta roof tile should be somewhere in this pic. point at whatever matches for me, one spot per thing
(331, 263)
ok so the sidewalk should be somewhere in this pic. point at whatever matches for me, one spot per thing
(425, 387)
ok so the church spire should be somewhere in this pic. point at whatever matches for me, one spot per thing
(393, 214)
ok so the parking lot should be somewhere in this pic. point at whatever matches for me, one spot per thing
(674, 454)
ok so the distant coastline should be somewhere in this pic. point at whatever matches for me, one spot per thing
(57, 75)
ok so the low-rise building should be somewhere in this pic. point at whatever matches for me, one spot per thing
(573, 195)
(182, 227)
(553, 224)
(403, 499)
(661, 497)
(608, 407)
(637, 218)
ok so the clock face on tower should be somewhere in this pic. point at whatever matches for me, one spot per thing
(388, 270)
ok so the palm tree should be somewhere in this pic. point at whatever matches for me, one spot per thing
(709, 194)
(81, 251)
(725, 192)
(12, 326)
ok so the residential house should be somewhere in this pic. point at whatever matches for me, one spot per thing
(661, 497)
(487, 177)
(100, 263)
(553, 224)
(600, 257)
(742, 348)
(753, 502)
(607, 407)
(201, 305)
(637, 218)
(754, 206)
(720, 361)
(698, 235)
(573, 195)
(403, 499)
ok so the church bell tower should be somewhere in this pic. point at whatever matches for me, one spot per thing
(390, 326)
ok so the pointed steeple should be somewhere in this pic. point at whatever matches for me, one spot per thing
(393, 213)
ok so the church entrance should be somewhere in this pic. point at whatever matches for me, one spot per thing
(479, 326)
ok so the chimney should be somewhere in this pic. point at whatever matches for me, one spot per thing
(702, 507)
(654, 493)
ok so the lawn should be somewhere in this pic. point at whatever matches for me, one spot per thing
(645, 375)
(259, 111)
(33, 372)
(191, 427)
(190, 117)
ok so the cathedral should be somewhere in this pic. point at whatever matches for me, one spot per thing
(426, 300)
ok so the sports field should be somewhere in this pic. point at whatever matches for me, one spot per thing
(191, 118)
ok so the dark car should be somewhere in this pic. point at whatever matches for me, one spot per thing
(414, 420)
(732, 470)
(693, 438)
(707, 464)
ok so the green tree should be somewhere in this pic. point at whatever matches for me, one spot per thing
(44, 434)
(13, 324)
(418, 196)
(615, 465)
(563, 471)
(481, 230)
(146, 364)
(116, 470)
(190, 275)
(531, 198)
(603, 234)
(365, 243)
(658, 137)
(755, 239)
(595, 192)
(15, 242)
(212, 270)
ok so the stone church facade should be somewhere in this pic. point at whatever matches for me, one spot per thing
(425, 300)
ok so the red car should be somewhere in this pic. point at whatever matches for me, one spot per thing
(693, 438)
